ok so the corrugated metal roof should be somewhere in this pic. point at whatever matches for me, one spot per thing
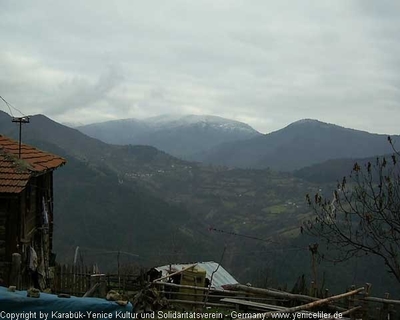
(220, 278)
(15, 172)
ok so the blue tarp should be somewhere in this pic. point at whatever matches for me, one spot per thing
(17, 303)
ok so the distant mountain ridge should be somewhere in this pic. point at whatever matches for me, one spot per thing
(143, 201)
(179, 135)
(106, 185)
(300, 144)
(332, 171)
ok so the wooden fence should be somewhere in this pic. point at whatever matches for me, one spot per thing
(353, 304)
(73, 280)
(77, 280)
(356, 303)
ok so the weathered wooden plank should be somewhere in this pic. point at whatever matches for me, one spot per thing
(67, 283)
(272, 293)
(91, 291)
(175, 273)
(258, 305)
(318, 303)
(382, 300)
(350, 311)
(15, 276)
(167, 284)
(222, 305)
(221, 296)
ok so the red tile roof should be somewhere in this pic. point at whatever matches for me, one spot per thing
(14, 172)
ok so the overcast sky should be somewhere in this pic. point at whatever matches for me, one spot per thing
(267, 63)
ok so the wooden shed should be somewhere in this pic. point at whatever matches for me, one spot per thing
(26, 209)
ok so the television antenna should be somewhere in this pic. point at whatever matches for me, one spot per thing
(20, 120)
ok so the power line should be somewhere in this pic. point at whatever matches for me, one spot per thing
(268, 240)
(102, 251)
(20, 120)
(240, 235)
(158, 254)
(9, 105)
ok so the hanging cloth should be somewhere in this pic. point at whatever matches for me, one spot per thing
(33, 259)
(45, 213)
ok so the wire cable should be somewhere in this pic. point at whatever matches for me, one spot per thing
(9, 105)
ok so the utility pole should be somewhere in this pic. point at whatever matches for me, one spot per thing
(314, 251)
(119, 275)
(21, 121)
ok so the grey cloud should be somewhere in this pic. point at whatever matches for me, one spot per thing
(78, 92)
(265, 62)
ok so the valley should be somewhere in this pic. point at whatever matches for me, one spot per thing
(161, 209)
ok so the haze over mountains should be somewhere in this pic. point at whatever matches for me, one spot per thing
(178, 135)
(302, 143)
(220, 141)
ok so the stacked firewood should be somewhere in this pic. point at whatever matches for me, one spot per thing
(149, 299)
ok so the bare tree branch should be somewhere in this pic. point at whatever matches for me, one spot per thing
(364, 215)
